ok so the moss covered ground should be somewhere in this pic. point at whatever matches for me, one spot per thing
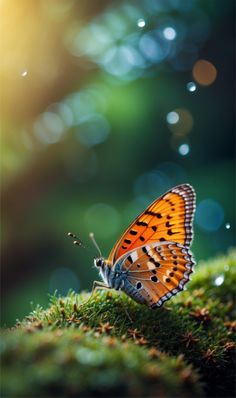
(107, 345)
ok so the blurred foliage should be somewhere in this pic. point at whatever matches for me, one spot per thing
(104, 107)
(81, 346)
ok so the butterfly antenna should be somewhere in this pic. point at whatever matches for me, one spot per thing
(77, 241)
(91, 235)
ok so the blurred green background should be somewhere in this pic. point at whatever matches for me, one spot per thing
(105, 106)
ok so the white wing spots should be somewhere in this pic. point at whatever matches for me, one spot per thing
(160, 251)
(134, 256)
(150, 265)
(156, 258)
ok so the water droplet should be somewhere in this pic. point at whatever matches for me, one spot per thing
(169, 33)
(191, 86)
(184, 149)
(219, 280)
(172, 117)
(227, 225)
(141, 23)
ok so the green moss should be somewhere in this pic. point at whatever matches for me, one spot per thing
(86, 345)
(72, 362)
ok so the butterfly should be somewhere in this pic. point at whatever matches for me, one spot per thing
(151, 262)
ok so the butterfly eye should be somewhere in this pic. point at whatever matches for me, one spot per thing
(98, 262)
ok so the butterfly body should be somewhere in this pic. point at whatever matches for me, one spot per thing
(118, 279)
(152, 262)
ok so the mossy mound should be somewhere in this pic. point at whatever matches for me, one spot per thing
(107, 345)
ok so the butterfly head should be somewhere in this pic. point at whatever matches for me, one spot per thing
(104, 271)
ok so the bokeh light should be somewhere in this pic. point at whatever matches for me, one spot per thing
(49, 128)
(105, 40)
(219, 280)
(209, 215)
(64, 112)
(92, 130)
(151, 48)
(148, 184)
(191, 86)
(180, 121)
(184, 149)
(155, 182)
(169, 33)
(172, 117)
(204, 72)
(121, 61)
(141, 23)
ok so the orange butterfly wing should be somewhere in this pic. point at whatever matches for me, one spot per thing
(159, 271)
(168, 218)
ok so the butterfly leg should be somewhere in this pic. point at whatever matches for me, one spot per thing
(96, 286)
(99, 285)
